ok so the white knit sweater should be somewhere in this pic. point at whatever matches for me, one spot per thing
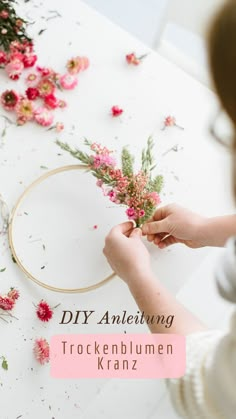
(208, 389)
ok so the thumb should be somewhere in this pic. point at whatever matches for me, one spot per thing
(136, 232)
(155, 227)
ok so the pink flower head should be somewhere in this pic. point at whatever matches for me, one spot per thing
(41, 350)
(43, 116)
(112, 195)
(45, 87)
(14, 69)
(3, 57)
(154, 198)
(68, 81)
(132, 59)
(170, 121)
(6, 303)
(141, 213)
(76, 64)
(32, 79)
(29, 60)
(59, 126)
(103, 159)
(116, 111)
(131, 213)
(4, 31)
(13, 294)
(32, 93)
(25, 109)
(62, 104)
(44, 71)
(99, 183)
(43, 311)
(51, 101)
(9, 99)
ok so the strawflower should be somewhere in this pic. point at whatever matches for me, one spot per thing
(170, 121)
(76, 64)
(43, 116)
(116, 111)
(32, 93)
(44, 311)
(41, 350)
(68, 81)
(9, 99)
(25, 109)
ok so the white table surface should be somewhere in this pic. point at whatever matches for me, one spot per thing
(195, 177)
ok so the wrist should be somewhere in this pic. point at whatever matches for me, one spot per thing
(219, 229)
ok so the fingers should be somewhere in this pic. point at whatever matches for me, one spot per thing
(124, 228)
(155, 227)
(136, 232)
(168, 241)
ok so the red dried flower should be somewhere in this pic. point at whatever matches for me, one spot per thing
(9, 99)
(13, 294)
(44, 312)
(3, 57)
(51, 101)
(116, 111)
(6, 303)
(41, 350)
(29, 60)
(32, 93)
(133, 59)
(170, 121)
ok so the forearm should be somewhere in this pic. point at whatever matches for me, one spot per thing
(154, 299)
(218, 230)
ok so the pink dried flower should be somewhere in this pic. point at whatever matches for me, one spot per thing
(133, 59)
(62, 104)
(59, 126)
(112, 195)
(51, 101)
(4, 31)
(99, 183)
(21, 120)
(44, 71)
(141, 213)
(9, 99)
(32, 79)
(103, 160)
(131, 213)
(13, 294)
(45, 87)
(170, 121)
(41, 350)
(154, 197)
(25, 109)
(68, 81)
(43, 311)
(95, 227)
(29, 60)
(32, 93)
(43, 116)
(116, 111)
(6, 303)
(3, 57)
(14, 69)
(76, 64)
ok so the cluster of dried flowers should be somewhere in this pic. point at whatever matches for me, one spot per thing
(7, 303)
(138, 191)
(42, 84)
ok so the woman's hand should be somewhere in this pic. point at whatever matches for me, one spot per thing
(173, 224)
(126, 253)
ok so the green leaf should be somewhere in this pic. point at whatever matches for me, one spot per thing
(127, 162)
(147, 156)
(3, 269)
(4, 363)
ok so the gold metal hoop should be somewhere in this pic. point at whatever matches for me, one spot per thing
(11, 241)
